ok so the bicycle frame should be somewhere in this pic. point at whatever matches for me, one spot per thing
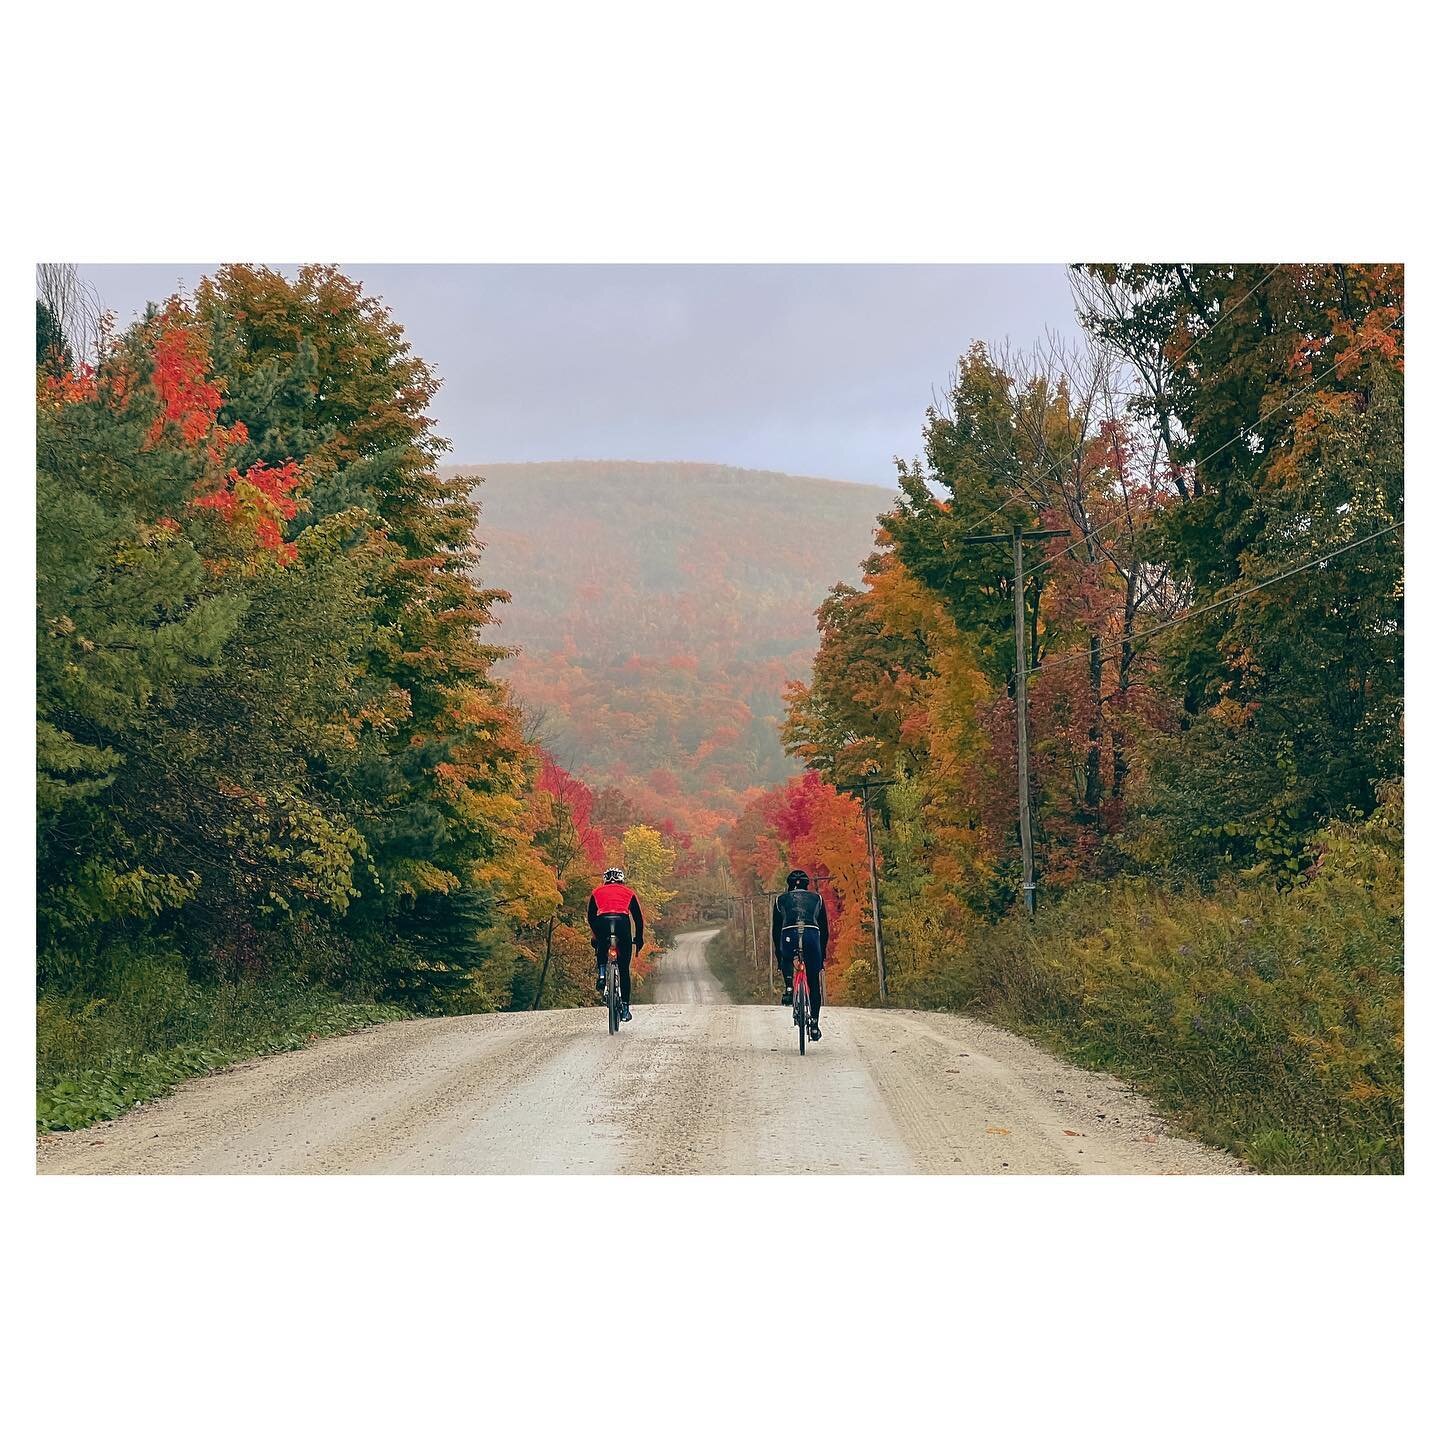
(800, 981)
(612, 983)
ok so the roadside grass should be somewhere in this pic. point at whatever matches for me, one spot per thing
(1267, 1022)
(97, 1056)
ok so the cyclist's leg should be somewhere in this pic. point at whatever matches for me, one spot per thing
(788, 945)
(813, 963)
(625, 946)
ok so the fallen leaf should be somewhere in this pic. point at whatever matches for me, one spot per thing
(996, 1130)
(1150, 1139)
(1071, 1132)
(97, 1142)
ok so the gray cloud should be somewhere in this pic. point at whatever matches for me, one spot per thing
(814, 369)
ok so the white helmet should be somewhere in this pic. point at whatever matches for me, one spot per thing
(614, 876)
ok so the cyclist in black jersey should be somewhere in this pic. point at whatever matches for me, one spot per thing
(800, 927)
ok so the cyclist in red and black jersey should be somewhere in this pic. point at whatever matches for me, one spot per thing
(615, 910)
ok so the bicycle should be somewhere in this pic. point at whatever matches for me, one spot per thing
(612, 982)
(614, 1004)
(801, 982)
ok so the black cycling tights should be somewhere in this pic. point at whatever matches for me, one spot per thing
(623, 946)
(813, 964)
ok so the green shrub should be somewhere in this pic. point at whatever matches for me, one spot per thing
(1269, 1022)
(98, 1054)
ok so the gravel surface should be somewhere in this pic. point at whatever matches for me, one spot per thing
(692, 1085)
(683, 977)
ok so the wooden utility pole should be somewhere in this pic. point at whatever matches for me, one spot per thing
(762, 933)
(1017, 538)
(865, 786)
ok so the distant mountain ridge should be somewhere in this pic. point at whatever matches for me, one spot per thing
(660, 608)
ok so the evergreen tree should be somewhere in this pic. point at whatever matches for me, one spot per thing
(315, 366)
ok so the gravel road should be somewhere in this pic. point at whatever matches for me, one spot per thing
(683, 977)
(692, 1085)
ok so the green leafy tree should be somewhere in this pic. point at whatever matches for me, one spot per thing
(314, 366)
(1278, 391)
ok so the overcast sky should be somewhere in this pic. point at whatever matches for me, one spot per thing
(813, 369)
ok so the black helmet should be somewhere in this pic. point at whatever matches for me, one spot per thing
(797, 880)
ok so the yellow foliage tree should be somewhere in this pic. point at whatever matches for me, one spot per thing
(649, 863)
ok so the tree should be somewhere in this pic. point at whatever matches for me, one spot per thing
(1037, 440)
(314, 366)
(649, 863)
(1279, 393)
(140, 592)
(263, 695)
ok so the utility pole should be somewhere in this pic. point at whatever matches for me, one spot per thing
(754, 934)
(762, 936)
(1017, 538)
(865, 786)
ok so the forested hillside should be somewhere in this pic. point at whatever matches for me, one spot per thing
(660, 610)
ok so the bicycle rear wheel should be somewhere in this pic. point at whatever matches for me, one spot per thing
(612, 999)
(802, 1018)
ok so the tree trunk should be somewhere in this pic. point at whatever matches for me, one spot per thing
(1092, 750)
(1119, 740)
(540, 988)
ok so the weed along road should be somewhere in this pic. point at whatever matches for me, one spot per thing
(693, 1085)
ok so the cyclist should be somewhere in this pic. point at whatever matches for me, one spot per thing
(801, 903)
(615, 909)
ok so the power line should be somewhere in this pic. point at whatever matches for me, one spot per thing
(1016, 499)
(1215, 604)
(1225, 315)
